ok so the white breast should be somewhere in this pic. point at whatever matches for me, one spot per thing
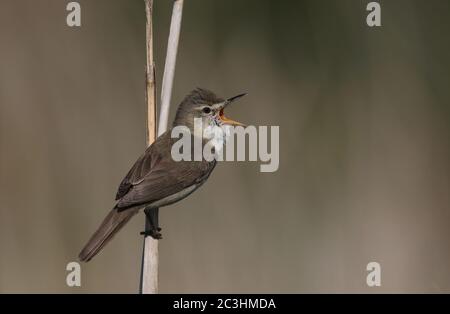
(217, 135)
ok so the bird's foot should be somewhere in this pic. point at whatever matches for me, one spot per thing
(154, 233)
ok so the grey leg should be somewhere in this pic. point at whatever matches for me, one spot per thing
(151, 224)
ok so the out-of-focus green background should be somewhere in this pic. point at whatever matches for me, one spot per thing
(364, 145)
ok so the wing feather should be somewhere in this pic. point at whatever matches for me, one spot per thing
(154, 177)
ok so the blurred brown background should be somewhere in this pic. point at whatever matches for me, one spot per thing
(364, 145)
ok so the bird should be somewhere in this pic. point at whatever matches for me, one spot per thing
(156, 180)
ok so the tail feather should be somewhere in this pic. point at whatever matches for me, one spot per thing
(109, 227)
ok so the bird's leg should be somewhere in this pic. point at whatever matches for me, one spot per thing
(151, 223)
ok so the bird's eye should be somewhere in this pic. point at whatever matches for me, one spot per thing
(207, 110)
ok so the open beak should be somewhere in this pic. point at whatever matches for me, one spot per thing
(222, 117)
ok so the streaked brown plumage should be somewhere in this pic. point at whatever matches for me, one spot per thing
(156, 180)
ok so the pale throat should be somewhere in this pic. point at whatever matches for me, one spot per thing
(214, 132)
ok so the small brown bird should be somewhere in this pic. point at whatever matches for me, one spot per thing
(156, 180)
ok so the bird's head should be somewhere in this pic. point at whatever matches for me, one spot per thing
(205, 105)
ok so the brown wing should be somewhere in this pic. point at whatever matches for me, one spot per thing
(139, 170)
(156, 175)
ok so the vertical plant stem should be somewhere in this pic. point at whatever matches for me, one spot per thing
(150, 75)
(149, 278)
(149, 271)
(169, 67)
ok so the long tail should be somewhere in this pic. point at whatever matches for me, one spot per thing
(109, 227)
